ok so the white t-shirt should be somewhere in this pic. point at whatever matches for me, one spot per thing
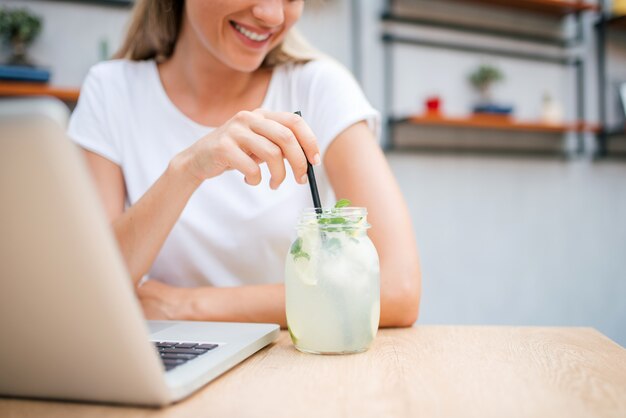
(229, 233)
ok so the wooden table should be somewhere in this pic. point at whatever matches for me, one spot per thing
(427, 371)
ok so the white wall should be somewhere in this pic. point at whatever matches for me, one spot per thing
(517, 241)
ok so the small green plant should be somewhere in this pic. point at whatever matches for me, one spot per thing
(18, 28)
(484, 77)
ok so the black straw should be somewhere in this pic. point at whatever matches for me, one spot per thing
(312, 183)
(314, 193)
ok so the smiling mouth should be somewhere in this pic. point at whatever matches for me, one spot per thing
(253, 36)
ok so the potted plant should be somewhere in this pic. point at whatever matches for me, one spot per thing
(19, 28)
(483, 78)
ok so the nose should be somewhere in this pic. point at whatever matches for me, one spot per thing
(270, 12)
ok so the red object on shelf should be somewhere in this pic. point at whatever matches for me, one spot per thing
(433, 105)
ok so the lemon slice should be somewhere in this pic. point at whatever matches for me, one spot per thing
(305, 271)
(294, 339)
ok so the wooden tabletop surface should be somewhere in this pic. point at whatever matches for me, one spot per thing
(426, 371)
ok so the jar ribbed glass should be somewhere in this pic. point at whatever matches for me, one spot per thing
(332, 282)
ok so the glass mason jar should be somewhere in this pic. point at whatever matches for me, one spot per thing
(332, 282)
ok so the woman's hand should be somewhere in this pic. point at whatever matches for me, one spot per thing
(160, 301)
(250, 138)
(258, 303)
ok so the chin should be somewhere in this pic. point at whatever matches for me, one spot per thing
(246, 66)
(249, 67)
(247, 61)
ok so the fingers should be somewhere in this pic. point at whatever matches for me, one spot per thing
(261, 149)
(251, 138)
(301, 131)
(285, 140)
(243, 163)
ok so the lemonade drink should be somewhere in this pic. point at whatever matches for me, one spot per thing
(332, 283)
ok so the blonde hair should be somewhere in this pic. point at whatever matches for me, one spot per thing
(155, 26)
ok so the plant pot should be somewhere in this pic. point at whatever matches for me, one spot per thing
(484, 92)
(18, 55)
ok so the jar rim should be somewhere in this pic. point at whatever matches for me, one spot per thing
(349, 217)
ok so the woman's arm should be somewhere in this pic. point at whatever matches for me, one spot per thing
(358, 171)
(258, 303)
(143, 228)
(242, 143)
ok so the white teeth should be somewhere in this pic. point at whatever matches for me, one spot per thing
(252, 35)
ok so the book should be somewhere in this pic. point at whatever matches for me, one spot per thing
(23, 73)
(493, 109)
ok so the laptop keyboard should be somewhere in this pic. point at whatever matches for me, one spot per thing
(174, 354)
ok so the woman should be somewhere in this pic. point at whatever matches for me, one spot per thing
(187, 140)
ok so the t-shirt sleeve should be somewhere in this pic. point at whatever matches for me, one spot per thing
(88, 126)
(335, 102)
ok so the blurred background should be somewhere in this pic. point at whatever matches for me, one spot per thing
(504, 123)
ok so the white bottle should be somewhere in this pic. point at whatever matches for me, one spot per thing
(551, 111)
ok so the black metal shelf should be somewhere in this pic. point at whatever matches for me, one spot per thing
(617, 132)
(487, 31)
(617, 22)
(558, 8)
(114, 3)
(507, 53)
(562, 58)
(605, 22)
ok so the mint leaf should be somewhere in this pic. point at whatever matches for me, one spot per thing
(301, 254)
(296, 247)
(292, 335)
(342, 203)
(327, 221)
(296, 250)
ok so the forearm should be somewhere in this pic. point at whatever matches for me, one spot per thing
(400, 292)
(142, 229)
(266, 303)
(259, 303)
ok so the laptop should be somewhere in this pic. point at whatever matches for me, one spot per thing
(70, 323)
